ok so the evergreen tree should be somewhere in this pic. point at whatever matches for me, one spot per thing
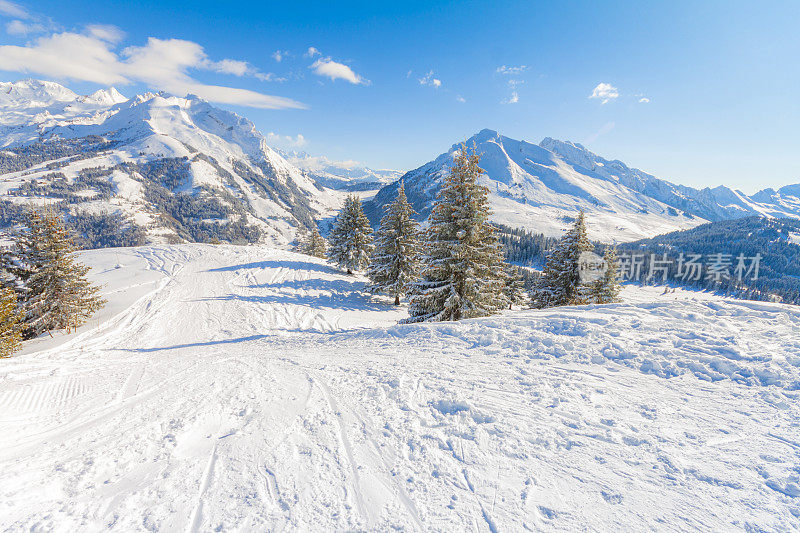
(395, 260)
(10, 323)
(350, 242)
(606, 289)
(462, 274)
(51, 286)
(313, 244)
(560, 283)
(514, 285)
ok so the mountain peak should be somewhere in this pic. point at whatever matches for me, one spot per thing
(549, 143)
(484, 135)
(108, 96)
(33, 93)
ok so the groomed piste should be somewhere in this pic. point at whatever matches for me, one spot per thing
(249, 388)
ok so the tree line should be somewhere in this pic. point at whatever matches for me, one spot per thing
(42, 286)
(776, 240)
(454, 268)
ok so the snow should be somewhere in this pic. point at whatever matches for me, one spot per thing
(249, 388)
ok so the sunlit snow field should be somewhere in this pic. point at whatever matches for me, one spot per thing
(249, 388)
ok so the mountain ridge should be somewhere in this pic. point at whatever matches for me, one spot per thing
(186, 170)
(180, 167)
(542, 186)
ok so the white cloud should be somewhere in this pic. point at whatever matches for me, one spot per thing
(644, 100)
(161, 64)
(269, 76)
(287, 142)
(280, 55)
(428, 79)
(66, 55)
(513, 98)
(10, 9)
(327, 67)
(105, 32)
(311, 52)
(240, 68)
(511, 71)
(18, 27)
(460, 99)
(605, 92)
(230, 66)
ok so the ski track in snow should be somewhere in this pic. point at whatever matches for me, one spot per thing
(248, 388)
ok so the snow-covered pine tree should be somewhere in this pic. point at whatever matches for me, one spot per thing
(606, 289)
(53, 290)
(514, 286)
(313, 244)
(10, 323)
(395, 260)
(560, 282)
(19, 263)
(350, 242)
(462, 265)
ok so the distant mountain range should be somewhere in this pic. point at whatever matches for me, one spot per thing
(542, 187)
(180, 169)
(342, 175)
(719, 203)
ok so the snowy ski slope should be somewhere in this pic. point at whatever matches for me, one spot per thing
(252, 389)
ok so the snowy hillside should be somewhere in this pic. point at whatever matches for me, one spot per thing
(248, 388)
(180, 167)
(541, 187)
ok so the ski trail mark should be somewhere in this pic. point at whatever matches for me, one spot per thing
(348, 449)
(197, 514)
(131, 385)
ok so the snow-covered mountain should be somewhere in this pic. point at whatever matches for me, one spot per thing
(185, 170)
(542, 187)
(180, 167)
(344, 175)
(719, 203)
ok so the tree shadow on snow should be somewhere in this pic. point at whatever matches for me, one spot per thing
(294, 265)
(196, 344)
(335, 294)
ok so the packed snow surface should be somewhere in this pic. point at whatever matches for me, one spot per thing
(252, 389)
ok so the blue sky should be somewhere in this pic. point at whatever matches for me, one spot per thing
(701, 93)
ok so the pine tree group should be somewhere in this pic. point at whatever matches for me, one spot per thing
(462, 265)
(313, 244)
(606, 289)
(514, 286)
(395, 260)
(350, 242)
(560, 283)
(50, 285)
(10, 323)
